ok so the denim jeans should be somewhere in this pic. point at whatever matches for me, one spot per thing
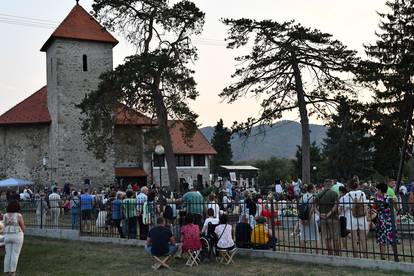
(75, 218)
(172, 249)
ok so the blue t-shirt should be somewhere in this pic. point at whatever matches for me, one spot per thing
(116, 209)
(86, 201)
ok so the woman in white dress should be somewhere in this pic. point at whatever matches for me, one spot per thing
(308, 229)
(356, 221)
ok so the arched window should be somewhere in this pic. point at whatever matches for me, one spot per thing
(85, 63)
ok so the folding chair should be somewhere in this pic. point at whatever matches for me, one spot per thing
(161, 262)
(226, 256)
(193, 257)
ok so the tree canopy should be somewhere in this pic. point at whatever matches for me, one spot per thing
(221, 143)
(156, 81)
(290, 67)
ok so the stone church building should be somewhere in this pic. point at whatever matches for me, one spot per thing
(40, 138)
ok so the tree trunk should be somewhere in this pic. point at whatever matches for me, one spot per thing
(304, 120)
(406, 137)
(162, 117)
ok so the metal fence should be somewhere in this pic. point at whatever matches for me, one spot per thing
(381, 230)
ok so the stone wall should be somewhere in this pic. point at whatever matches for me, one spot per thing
(67, 85)
(22, 149)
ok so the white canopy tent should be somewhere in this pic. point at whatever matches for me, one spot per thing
(14, 182)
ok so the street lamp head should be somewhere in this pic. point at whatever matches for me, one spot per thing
(314, 168)
(159, 150)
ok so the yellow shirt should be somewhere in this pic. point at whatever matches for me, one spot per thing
(259, 235)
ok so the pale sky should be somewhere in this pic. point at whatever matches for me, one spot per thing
(23, 68)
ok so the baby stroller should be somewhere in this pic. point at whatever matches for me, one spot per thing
(209, 242)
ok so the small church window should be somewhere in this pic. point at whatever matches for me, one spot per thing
(85, 63)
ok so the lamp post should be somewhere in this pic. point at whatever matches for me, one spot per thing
(314, 168)
(45, 163)
(159, 150)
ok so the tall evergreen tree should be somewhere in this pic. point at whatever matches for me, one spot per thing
(347, 146)
(221, 143)
(390, 71)
(156, 81)
(316, 161)
(289, 68)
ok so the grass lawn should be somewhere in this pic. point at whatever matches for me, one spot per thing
(42, 256)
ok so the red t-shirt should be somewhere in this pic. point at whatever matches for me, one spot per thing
(190, 234)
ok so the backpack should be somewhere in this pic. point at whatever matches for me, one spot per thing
(304, 210)
(358, 208)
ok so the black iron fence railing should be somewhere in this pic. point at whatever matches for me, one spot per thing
(375, 229)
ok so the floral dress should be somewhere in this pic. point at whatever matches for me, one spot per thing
(384, 234)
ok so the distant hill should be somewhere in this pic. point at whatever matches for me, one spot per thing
(280, 140)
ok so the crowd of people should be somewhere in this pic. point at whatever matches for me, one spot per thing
(335, 216)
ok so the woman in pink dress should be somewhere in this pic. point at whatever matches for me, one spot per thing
(190, 235)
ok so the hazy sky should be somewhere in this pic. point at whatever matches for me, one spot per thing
(23, 68)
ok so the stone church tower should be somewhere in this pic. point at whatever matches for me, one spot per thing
(77, 53)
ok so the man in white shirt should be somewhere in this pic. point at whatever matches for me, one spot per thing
(211, 219)
(54, 203)
(141, 199)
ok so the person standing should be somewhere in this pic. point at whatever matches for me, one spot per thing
(327, 205)
(129, 206)
(308, 228)
(384, 234)
(13, 236)
(142, 197)
(354, 204)
(116, 212)
(195, 205)
(75, 210)
(86, 203)
(54, 203)
(41, 209)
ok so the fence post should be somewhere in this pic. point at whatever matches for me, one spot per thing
(41, 213)
(272, 217)
(80, 216)
(394, 232)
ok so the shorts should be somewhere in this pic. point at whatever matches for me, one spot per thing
(330, 229)
(86, 214)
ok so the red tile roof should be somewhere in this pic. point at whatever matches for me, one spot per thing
(198, 144)
(129, 116)
(32, 110)
(79, 24)
(130, 172)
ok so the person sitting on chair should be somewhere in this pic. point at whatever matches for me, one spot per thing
(223, 232)
(190, 235)
(211, 219)
(243, 233)
(260, 238)
(160, 241)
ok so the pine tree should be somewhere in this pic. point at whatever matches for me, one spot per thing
(290, 67)
(390, 72)
(221, 143)
(347, 146)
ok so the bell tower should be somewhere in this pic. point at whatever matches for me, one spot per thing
(77, 53)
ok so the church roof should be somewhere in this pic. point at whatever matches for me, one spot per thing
(32, 110)
(80, 25)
